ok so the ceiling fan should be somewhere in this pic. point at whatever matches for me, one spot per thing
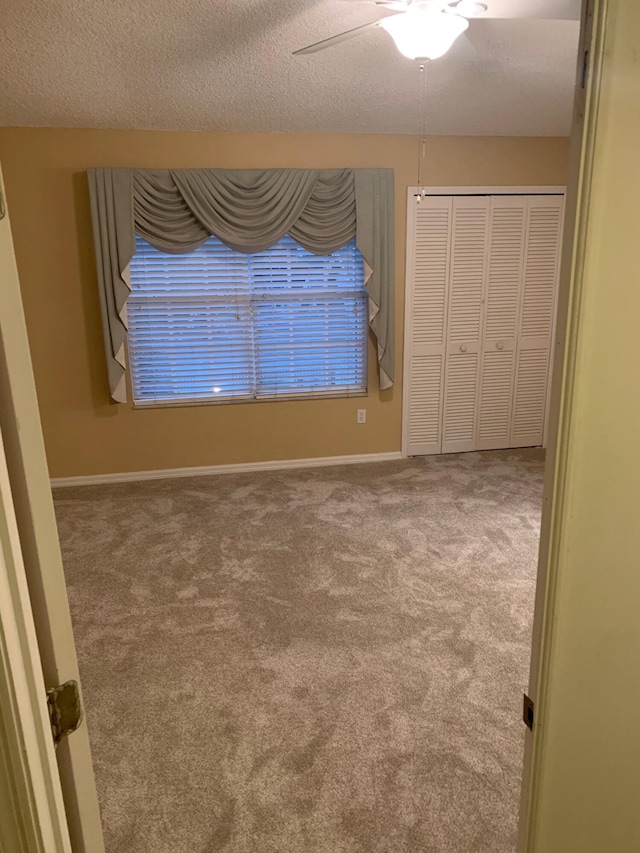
(426, 29)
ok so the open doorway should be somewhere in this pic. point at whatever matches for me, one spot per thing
(331, 657)
(351, 643)
(258, 667)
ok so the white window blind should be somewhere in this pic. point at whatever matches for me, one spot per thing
(216, 324)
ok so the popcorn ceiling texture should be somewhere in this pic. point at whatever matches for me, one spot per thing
(227, 65)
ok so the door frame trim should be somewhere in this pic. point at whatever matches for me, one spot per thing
(27, 757)
(32, 506)
(29, 776)
(581, 164)
(559, 190)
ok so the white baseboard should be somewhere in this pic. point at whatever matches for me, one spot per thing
(240, 468)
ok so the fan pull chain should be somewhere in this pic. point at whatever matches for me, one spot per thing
(422, 147)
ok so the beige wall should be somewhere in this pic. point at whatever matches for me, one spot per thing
(48, 199)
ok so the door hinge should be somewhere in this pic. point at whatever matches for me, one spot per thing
(528, 709)
(65, 709)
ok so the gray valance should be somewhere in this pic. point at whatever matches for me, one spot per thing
(178, 209)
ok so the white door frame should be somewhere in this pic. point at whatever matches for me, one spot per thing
(44, 613)
(26, 756)
(581, 160)
(28, 771)
(408, 290)
(411, 191)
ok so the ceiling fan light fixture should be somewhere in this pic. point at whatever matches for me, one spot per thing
(470, 9)
(424, 33)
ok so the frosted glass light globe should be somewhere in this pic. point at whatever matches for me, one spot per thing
(424, 33)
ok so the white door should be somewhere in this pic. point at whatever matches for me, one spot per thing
(507, 230)
(28, 481)
(536, 321)
(428, 256)
(470, 221)
(29, 779)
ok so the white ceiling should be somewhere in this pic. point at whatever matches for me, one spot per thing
(227, 65)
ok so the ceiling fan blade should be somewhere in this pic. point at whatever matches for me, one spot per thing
(559, 10)
(330, 42)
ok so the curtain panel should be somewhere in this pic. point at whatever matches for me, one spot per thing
(249, 210)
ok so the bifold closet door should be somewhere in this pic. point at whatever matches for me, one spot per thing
(427, 295)
(507, 231)
(467, 272)
(536, 322)
(525, 234)
(482, 280)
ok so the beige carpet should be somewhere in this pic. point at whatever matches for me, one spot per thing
(317, 661)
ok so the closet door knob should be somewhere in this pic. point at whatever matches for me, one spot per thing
(499, 345)
(463, 347)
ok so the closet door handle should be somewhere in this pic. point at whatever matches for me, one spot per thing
(499, 345)
(463, 347)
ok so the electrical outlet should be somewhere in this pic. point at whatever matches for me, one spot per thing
(362, 416)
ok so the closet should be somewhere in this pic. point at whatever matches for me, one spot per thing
(482, 274)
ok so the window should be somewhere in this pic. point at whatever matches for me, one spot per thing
(220, 325)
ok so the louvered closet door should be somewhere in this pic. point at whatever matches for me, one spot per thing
(428, 272)
(507, 230)
(538, 300)
(470, 221)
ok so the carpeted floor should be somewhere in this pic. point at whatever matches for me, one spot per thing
(326, 660)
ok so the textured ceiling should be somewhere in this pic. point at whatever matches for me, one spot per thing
(227, 65)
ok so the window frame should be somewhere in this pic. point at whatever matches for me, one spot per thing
(253, 398)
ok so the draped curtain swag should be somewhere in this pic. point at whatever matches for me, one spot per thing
(249, 210)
